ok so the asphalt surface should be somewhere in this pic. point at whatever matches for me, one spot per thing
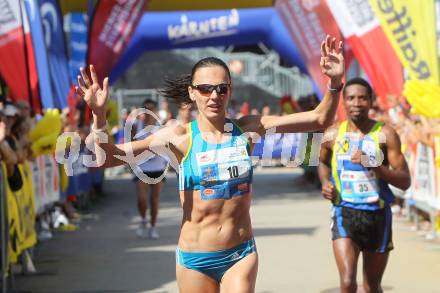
(291, 226)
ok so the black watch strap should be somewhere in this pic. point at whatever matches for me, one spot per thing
(335, 90)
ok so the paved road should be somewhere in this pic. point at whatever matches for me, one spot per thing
(291, 225)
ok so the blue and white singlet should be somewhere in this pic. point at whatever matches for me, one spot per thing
(219, 171)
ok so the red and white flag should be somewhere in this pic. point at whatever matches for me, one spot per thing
(308, 22)
(112, 26)
(17, 61)
(370, 45)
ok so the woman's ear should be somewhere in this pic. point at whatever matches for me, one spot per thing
(191, 94)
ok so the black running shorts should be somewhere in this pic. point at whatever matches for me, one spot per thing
(370, 230)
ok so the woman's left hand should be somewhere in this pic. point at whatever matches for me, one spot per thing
(332, 60)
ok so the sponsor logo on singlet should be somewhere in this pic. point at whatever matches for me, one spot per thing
(205, 158)
(208, 192)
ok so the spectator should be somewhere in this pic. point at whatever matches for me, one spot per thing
(164, 112)
(244, 110)
(266, 110)
(19, 131)
(24, 109)
(8, 147)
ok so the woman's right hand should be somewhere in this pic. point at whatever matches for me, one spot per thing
(91, 92)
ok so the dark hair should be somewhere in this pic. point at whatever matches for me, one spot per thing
(149, 102)
(176, 90)
(362, 82)
(16, 126)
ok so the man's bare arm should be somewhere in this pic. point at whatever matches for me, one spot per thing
(397, 173)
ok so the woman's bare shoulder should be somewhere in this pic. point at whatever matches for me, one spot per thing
(178, 135)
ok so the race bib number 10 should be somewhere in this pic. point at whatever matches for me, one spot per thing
(219, 169)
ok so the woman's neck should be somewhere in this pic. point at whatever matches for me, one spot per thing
(214, 126)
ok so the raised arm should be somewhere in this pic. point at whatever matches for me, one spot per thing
(332, 65)
(107, 153)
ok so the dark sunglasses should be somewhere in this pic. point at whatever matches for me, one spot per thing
(221, 89)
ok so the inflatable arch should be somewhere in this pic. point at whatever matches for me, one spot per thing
(188, 29)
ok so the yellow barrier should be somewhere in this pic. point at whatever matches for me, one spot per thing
(27, 207)
(14, 248)
(21, 214)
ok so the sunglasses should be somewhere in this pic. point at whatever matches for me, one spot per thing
(204, 89)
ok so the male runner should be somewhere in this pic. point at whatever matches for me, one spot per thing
(359, 158)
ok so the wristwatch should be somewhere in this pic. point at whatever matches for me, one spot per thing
(335, 90)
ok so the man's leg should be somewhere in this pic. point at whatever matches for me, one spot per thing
(346, 255)
(374, 267)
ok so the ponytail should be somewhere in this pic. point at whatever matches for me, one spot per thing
(176, 90)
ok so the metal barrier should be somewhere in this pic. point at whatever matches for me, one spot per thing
(262, 71)
(127, 98)
(423, 195)
(137, 96)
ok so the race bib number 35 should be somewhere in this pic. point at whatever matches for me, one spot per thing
(360, 187)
